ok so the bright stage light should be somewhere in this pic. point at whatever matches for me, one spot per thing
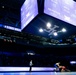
(63, 30)
(48, 25)
(55, 34)
(40, 30)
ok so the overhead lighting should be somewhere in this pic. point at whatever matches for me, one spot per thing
(48, 25)
(52, 30)
(40, 30)
(55, 34)
(63, 30)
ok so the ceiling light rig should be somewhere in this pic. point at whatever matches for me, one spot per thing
(52, 30)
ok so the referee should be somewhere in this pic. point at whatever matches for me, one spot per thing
(30, 64)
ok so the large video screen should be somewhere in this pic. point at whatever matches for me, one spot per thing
(64, 10)
(29, 11)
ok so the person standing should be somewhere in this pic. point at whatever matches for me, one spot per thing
(30, 64)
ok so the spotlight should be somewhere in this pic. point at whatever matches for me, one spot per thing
(55, 34)
(40, 30)
(48, 25)
(63, 30)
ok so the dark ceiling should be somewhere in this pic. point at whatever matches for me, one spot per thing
(15, 4)
(10, 12)
(10, 15)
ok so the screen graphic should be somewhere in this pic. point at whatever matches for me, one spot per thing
(64, 10)
(29, 11)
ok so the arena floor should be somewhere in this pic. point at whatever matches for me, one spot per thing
(39, 73)
(34, 71)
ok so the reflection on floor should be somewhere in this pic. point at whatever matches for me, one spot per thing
(39, 73)
(21, 69)
(35, 71)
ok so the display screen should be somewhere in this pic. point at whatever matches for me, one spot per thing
(29, 11)
(64, 10)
